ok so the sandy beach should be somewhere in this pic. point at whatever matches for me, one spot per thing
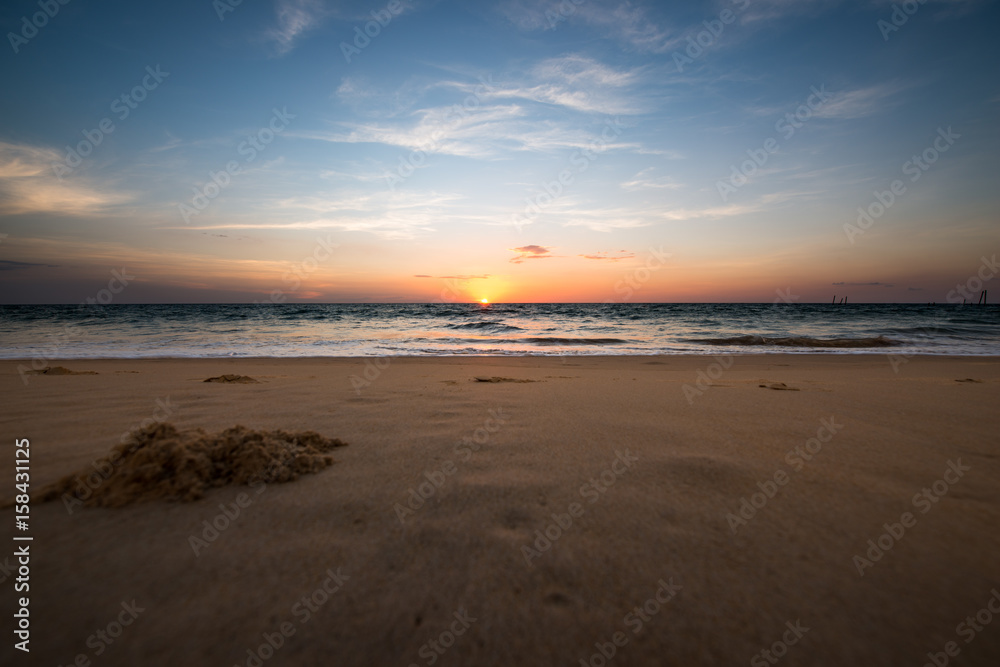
(792, 509)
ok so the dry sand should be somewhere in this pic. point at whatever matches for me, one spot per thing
(646, 476)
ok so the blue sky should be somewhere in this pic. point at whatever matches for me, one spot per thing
(516, 151)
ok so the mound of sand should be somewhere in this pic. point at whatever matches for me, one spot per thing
(162, 463)
(234, 379)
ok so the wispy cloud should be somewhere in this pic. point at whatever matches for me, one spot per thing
(622, 22)
(9, 265)
(439, 130)
(605, 255)
(556, 105)
(484, 276)
(773, 10)
(530, 252)
(645, 180)
(23, 161)
(632, 26)
(576, 83)
(28, 185)
(872, 284)
(387, 214)
(293, 19)
(860, 102)
(570, 211)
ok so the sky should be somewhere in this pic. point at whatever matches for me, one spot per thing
(423, 151)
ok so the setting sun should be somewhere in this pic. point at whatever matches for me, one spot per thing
(484, 301)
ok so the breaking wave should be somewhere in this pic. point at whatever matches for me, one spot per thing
(798, 341)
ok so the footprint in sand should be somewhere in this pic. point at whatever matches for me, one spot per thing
(780, 386)
(233, 379)
(558, 599)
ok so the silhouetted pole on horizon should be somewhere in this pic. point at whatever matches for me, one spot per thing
(982, 298)
(834, 299)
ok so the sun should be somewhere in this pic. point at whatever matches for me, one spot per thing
(484, 301)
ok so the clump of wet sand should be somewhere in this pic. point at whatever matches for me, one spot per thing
(234, 379)
(60, 370)
(163, 463)
(501, 379)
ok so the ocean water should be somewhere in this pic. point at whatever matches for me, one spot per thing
(326, 330)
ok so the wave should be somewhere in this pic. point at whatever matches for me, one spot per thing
(798, 341)
(485, 326)
(451, 312)
(938, 330)
(527, 340)
(574, 341)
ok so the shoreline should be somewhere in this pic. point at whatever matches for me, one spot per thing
(679, 355)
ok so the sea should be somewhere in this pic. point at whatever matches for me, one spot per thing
(43, 332)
